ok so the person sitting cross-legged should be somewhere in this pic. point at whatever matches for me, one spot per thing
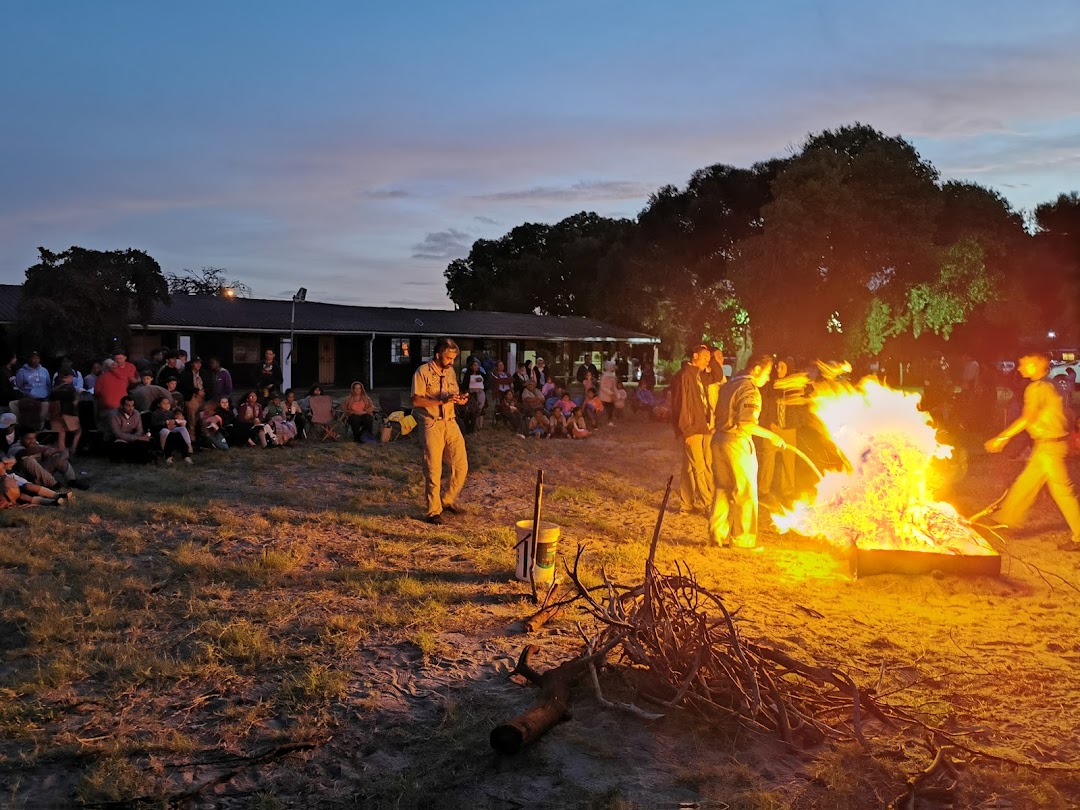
(539, 425)
(128, 441)
(284, 429)
(576, 425)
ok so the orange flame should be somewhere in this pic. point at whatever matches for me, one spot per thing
(884, 499)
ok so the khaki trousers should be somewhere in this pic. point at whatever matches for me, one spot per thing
(1045, 465)
(442, 439)
(734, 516)
(768, 458)
(696, 479)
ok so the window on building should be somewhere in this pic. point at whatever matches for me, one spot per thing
(427, 349)
(399, 350)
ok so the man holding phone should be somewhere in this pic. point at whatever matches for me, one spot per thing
(435, 395)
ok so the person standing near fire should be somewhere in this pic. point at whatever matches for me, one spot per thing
(734, 516)
(690, 416)
(1043, 417)
(435, 394)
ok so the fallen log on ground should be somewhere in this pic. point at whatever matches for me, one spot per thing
(553, 705)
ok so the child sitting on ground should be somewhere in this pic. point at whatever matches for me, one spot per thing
(576, 424)
(539, 425)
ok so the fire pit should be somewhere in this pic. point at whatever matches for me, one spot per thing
(878, 507)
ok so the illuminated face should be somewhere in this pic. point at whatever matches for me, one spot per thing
(781, 369)
(1033, 367)
(760, 375)
(446, 357)
(224, 402)
(357, 388)
(129, 407)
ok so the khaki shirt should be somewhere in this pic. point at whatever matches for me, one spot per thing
(432, 381)
(1045, 411)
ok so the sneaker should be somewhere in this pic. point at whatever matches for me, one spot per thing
(62, 500)
(435, 520)
(454, 509)
(189, 460)
(169, 460)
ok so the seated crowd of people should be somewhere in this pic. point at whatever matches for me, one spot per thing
(530, 403)
(155, 410)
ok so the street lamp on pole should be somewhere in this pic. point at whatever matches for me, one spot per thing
(299, 295)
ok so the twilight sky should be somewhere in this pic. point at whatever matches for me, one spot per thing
(355, 147)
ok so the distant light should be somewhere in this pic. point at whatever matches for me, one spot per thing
(228, 292)
(1051, 335)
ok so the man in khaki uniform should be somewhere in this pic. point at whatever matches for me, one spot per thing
(1044, 419)
(435, 394)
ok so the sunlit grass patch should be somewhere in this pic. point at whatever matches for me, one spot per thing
(312, 687)
(115, 779)
(239, 642)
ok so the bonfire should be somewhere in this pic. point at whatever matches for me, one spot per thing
(882, 497)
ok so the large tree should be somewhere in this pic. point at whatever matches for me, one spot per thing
(80, 303)
(208, 281)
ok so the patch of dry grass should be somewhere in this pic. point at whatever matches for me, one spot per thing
(275, 596)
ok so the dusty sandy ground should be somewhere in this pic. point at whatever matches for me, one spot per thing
(278, 630)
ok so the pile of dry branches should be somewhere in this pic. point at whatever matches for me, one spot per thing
(693, 654)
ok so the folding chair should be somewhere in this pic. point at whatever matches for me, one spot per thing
(326, 421)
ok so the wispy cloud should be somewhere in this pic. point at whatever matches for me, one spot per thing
(386, 194)
(585, 190)
(448, 244)
(487, 220)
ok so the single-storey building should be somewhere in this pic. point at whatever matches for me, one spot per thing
(380, 346)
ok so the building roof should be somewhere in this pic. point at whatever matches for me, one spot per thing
(214, 313)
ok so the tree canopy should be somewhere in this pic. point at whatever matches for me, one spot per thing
(208, 281)
(852, 246)
(80, 303)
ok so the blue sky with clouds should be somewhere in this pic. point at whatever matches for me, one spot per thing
(356, 148)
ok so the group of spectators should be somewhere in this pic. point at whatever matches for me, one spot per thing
(531, 403)
(158, 409)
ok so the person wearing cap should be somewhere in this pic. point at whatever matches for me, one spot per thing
(734, 516)
(169, 371)
(8, 421)
(691, 420)
(33, 380)
(435, 394)
(1044, 419)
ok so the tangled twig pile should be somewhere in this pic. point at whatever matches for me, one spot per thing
(693, 654)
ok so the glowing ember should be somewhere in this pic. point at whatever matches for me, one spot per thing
(884, 500)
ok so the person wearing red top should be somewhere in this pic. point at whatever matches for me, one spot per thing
(112, 384)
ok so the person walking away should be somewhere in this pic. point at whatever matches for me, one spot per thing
(1043, 417)
(734, 517)
(435, 392)
(690, 419)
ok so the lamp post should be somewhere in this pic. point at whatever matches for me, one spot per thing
(299, 295)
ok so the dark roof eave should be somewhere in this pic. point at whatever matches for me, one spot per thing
(381, 333)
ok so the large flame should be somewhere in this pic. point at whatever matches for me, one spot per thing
(882, 499)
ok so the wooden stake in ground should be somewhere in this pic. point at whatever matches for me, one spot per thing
(536, 533)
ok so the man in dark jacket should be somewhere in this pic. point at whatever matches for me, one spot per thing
(691, 420)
